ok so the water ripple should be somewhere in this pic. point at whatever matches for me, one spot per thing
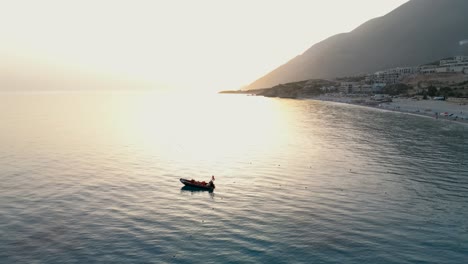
(297, 182)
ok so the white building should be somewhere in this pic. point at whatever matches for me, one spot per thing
(328, 88)
(355, 87)
(391, 76)
(427, 69)
(347, 87)
(454, 60)
(365, 88)
(362, 88)
(456, 64)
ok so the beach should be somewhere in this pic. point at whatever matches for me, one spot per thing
(438, 109)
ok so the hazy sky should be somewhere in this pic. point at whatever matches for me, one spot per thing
(202, 44)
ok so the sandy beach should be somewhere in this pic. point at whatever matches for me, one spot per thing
(440, 110)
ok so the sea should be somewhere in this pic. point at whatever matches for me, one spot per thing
(93, 177)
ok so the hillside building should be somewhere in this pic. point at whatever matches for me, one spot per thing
(456, 64)
(427, 69)
(362, 89)
(347, 87)
(391, 76)
(328, 88)
(374, 83)
(355, 88)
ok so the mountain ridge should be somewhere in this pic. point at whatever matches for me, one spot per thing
(414, 33)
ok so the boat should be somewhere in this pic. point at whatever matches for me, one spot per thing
(198, 184)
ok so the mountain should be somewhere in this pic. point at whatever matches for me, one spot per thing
(417, 32)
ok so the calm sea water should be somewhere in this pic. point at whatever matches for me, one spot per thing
(94, 177)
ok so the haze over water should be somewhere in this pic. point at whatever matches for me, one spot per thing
(94, 177)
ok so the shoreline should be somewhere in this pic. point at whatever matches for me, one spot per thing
(446, 111)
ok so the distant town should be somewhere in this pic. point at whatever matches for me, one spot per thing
(441, 79)
(439, 75)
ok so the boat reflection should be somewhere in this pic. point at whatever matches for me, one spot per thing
(194, 190)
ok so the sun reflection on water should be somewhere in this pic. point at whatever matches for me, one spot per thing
(203, 128)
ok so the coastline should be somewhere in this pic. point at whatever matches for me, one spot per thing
(437, 110)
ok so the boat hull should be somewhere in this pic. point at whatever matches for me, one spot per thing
(196, 184)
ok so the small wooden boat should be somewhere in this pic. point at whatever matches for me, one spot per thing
(197, 184)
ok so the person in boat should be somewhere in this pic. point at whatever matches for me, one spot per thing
(211, 184)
